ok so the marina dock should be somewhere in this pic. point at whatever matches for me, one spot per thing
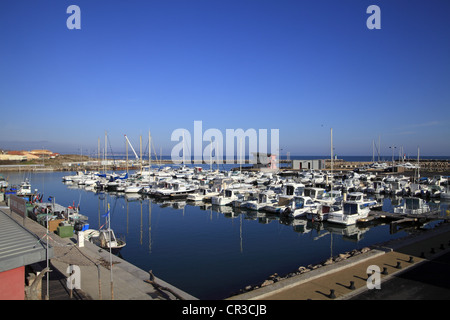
(97, 282)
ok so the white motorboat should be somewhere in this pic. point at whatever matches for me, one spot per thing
(323, 212)
(24, 188)
(71, 178)
(351, 212)
(177, 189)
(134, 187)
(202, 194)
(314, 193)
(293, 189)
(355, 196)
(331, 197)
(105, 239)
(397, 188)
(300, 206)
(228, 195)
(277, 207)
(3, 182)
(264, 198)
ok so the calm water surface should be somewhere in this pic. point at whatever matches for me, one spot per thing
(206, 251)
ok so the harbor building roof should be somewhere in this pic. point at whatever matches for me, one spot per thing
(18, 246)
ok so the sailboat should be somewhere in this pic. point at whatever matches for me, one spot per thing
(105, 238)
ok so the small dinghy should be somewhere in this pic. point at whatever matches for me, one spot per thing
(105, 239)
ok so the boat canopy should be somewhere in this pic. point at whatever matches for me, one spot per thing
(413, 203)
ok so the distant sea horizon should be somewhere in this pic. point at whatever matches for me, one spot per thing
(352, 158)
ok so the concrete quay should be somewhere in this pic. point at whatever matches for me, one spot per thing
(128, 281)
(398, 262)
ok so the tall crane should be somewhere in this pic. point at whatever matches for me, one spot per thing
(137, 158)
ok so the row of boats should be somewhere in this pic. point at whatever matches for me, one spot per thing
(321, 196)
(46, 212)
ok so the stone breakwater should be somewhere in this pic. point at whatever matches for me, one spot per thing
(426, 165)
(302, 269)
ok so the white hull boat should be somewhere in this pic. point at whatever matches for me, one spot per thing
(351, 212)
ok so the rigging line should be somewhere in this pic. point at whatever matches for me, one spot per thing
(146, 149)
(156, 155)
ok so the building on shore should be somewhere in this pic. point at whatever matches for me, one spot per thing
(317, 164)
(23, 155)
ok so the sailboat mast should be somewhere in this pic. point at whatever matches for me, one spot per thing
(140, 146)
(373, 151)
(98, 154)
(418, 165)
(149, 150)
(331, 133)
(149, 155)
(106, 150)
(379, 148)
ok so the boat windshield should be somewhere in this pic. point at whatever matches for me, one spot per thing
(412, 203)
(355, 197)
(331, 194)
(350, 208)
(299, 203)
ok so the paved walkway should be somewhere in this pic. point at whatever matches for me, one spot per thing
(128, 281)
(348, 279)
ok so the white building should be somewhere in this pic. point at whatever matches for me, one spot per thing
(317, 164)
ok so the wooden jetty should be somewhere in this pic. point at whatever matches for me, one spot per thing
(396, 219)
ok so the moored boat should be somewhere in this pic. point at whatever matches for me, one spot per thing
(351, 212)
(105, 239)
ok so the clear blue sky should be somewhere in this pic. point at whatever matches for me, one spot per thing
(300, 66)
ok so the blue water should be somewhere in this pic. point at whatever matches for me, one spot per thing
(207, 253)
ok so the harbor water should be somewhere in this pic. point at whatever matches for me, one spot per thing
(210, 252)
